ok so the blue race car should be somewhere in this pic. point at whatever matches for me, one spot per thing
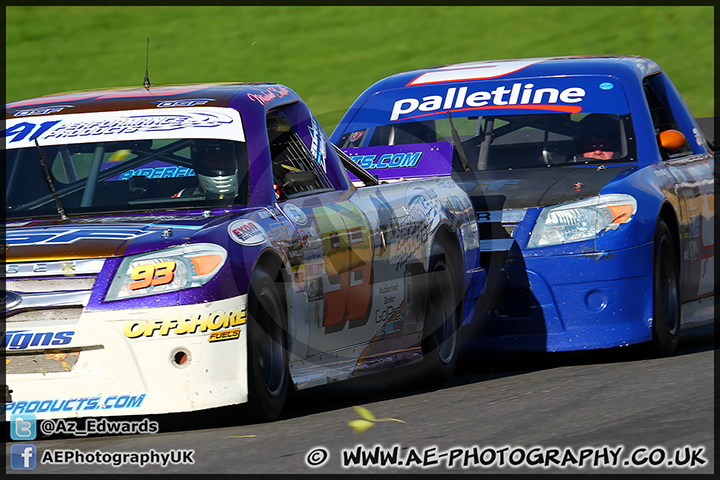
(592, 185)
(180, 248)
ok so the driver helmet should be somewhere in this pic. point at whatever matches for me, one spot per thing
(215, 166)
(598, 131)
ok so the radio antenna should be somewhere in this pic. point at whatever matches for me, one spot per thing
(146, 82)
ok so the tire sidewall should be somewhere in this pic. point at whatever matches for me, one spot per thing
(664, 340)
(265, 405)
(437, 370)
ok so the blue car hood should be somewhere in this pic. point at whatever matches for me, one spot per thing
(533, 187)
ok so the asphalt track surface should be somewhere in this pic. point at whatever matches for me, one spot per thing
(611, 411)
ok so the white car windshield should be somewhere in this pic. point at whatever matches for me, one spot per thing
(133, 175)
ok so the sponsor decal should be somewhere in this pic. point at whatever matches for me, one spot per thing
(190, 102)
(170, 171)
(269, 212)
(19, 131)
(295, 214)
(41, 110)
(518, 95)
(270, 93)
(411, 160)
(247, 232)
(420, 207)
(355, 136)
(392, 316)
(22, 339)
(388, 160)
(190, 324)
(317, 148)
(446, 184)
(309, 237)
(137, 123)
(73, 404)
(388, 289)
(414, 228)
(225, 335)
(122, 125)
(196, 122)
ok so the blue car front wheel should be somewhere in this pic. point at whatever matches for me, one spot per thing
(666, 291)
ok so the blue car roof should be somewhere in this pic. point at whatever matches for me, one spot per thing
(566, 84)
(621, 66)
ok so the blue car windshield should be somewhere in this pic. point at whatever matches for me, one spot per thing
(495, 142)
(137, 175)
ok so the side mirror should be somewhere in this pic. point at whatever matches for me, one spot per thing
(672, 139)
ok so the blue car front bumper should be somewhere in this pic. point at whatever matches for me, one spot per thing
(566, 302)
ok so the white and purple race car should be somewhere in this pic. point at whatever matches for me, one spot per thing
(180, 248)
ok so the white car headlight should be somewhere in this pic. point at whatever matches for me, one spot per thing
(166, 270)
(582, 219)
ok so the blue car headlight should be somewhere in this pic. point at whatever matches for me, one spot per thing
(166, 271)
(582, 219)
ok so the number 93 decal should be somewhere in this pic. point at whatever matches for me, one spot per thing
(152, 274)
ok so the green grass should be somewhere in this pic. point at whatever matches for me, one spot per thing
(330, 54)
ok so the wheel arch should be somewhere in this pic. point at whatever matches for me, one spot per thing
(272, 263)
(668, 215)
(667, 275)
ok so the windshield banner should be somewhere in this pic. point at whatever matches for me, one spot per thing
(205, 122)
(572, 94)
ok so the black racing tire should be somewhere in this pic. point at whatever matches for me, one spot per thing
(666, 292)
(268, 376)
(440, 343)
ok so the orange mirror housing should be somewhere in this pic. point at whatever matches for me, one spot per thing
(672, 139)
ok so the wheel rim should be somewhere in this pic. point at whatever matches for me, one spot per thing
(668, 287)
(442, 313)
(271, 351)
